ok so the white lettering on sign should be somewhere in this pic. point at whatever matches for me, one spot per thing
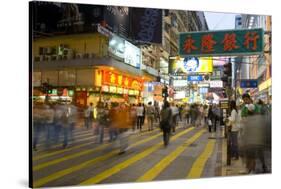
(216, 84)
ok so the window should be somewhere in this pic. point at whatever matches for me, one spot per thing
(51, 77)
(36, 80)
(67, 78)
(85, 77)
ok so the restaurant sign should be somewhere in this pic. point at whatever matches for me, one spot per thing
(117, 79)
(221, 43)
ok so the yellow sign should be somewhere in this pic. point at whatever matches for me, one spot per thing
(186, 99)
(191, 64)
(265, 85)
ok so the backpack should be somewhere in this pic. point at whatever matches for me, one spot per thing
(165, 122)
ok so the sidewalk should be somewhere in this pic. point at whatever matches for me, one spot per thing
(237, 167)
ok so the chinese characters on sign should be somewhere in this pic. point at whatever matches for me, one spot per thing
(227, 42)
(116, 79)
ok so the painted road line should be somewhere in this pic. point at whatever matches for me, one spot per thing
(224, 158)
(117, 168)
(93, 137)
(165, 162)
(38, 157)
(198, 166)
(86, 164)
(75, 136)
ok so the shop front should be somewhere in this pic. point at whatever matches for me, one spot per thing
(265, 90)
(54, 95)
(119, 87)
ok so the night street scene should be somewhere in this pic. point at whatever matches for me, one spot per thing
(127, 95)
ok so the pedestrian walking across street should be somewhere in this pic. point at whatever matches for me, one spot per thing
(166, 122)
(150, 112)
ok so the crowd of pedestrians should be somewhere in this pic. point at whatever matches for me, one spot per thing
(54, 122)
(248, 124)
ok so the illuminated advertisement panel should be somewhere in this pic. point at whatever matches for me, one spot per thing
(190, 65)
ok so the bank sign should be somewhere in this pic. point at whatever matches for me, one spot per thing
(221, 43)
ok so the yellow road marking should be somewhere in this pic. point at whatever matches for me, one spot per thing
(224, 158)
(165, 162)
(68, 157)
(77, 137)
(76, 141)
(38, 157)
(72, 169)
(199, 164)
(117, 168)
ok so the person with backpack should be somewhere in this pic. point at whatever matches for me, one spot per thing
(150, 116)
(166, 122)
(216, 113)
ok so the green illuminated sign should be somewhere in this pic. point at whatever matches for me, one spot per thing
(55, 92)
(70, 92)
(221, 43)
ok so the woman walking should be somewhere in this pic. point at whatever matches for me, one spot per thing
(234, 129)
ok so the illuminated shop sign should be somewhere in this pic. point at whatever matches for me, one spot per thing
(105, 88)
(216, 84)
(116, 79)
(112, 89)
(224, 42)
(195, 78)
(119, 90)
(179, 65)
(203, 90)
(179, 83)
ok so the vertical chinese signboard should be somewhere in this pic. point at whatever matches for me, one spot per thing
(221, 43)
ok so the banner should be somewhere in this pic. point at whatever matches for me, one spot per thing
(223, 43)
(147, 25)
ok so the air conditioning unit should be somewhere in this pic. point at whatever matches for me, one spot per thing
(59, 57)
(78, 55)
(86, 55)
(44, 58)
(64, 57)
(48, 58)
(54, 57)
(49, 50)
(37, 59)
(92, 55)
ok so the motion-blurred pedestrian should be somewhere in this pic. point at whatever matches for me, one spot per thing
(140, 111)
(150, 111)
(166, 122)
